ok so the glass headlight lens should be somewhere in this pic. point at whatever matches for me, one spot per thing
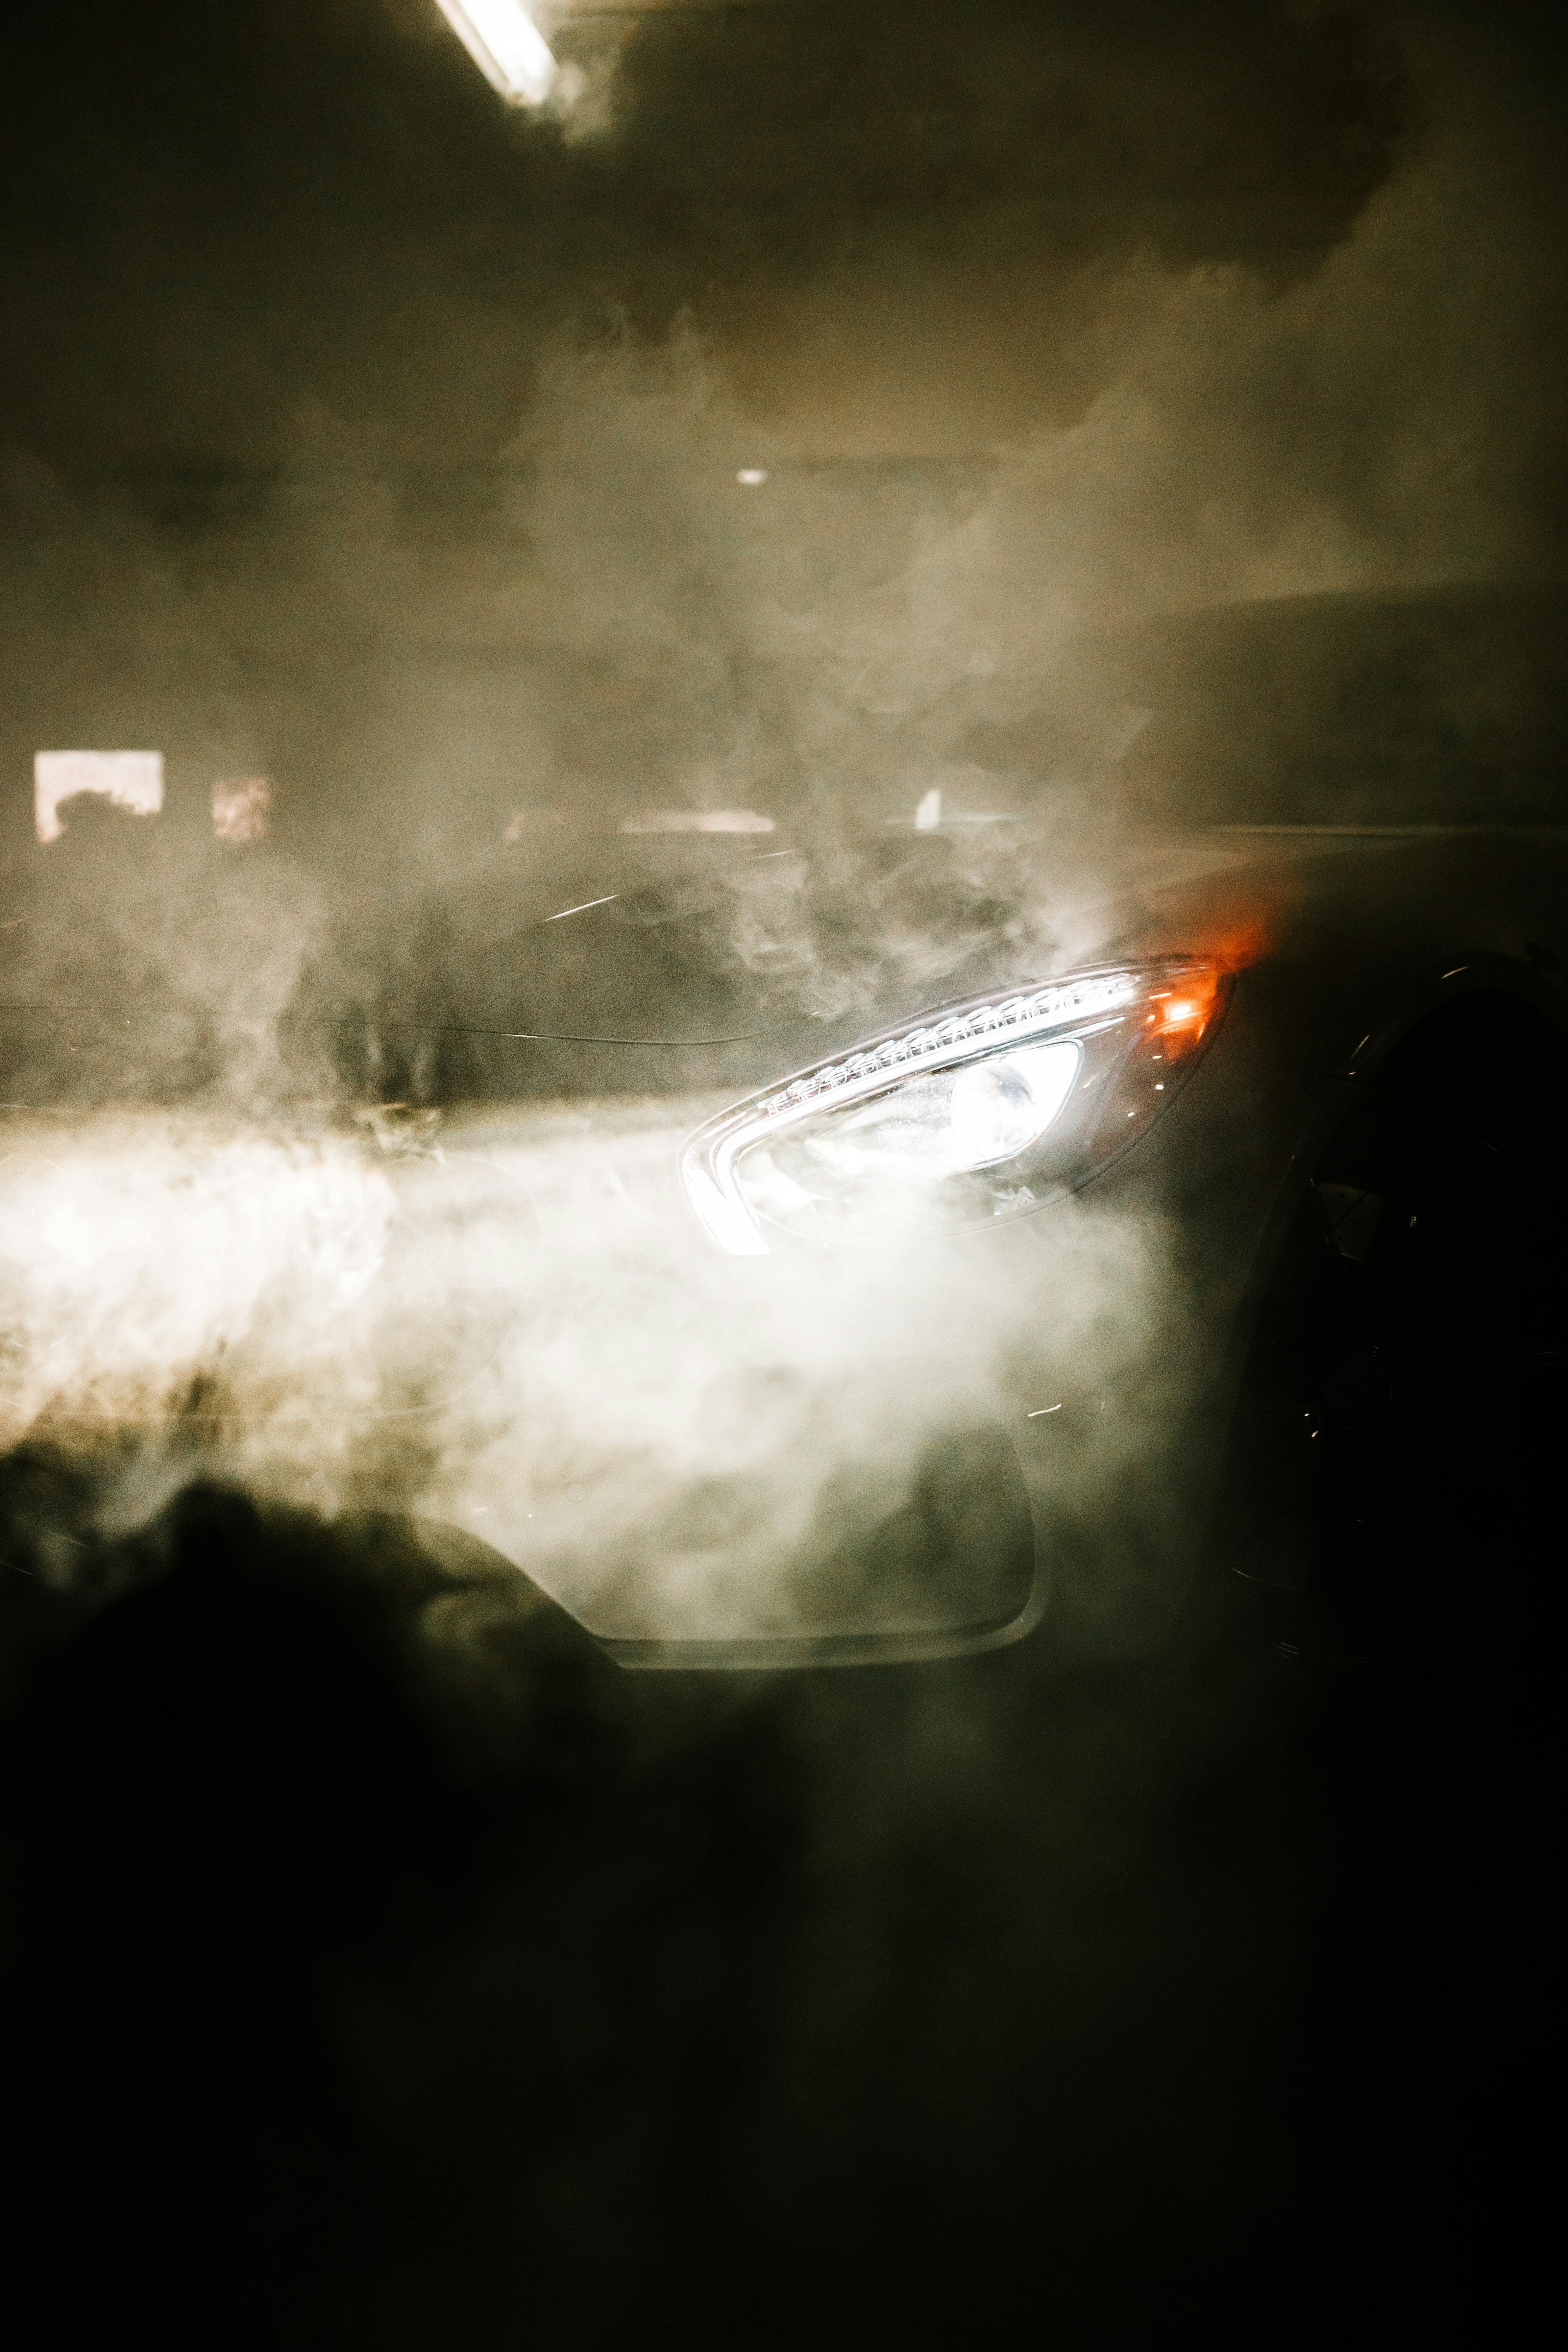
(968, 1117)
(986, 1110)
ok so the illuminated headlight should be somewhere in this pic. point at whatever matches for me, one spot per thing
(986, 1110)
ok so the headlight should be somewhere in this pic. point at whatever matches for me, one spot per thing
(986, 1110)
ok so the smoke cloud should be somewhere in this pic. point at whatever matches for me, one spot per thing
(751, 433)
(464, 506)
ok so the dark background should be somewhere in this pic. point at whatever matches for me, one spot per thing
(380, 1969)
(218, 216)
(358, 432)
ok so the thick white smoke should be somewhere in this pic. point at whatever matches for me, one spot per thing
(639, 627)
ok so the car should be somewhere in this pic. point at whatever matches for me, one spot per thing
(867, 1229)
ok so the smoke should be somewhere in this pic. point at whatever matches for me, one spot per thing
(1026, 327)
(755, 439)
(517, 1330)
(751, 433)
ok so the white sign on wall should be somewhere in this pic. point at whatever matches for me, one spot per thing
(131, 780)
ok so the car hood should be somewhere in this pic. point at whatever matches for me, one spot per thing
(831, 940)
(621, 970)
(799, 938)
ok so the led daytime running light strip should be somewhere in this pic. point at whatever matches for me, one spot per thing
(1017, 1017)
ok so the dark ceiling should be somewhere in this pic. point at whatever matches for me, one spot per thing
(217, 213)
(294, 477)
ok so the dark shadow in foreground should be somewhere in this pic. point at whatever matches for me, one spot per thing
(384, 1969)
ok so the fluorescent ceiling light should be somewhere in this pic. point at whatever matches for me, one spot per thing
(506, 44)
(131, 780)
